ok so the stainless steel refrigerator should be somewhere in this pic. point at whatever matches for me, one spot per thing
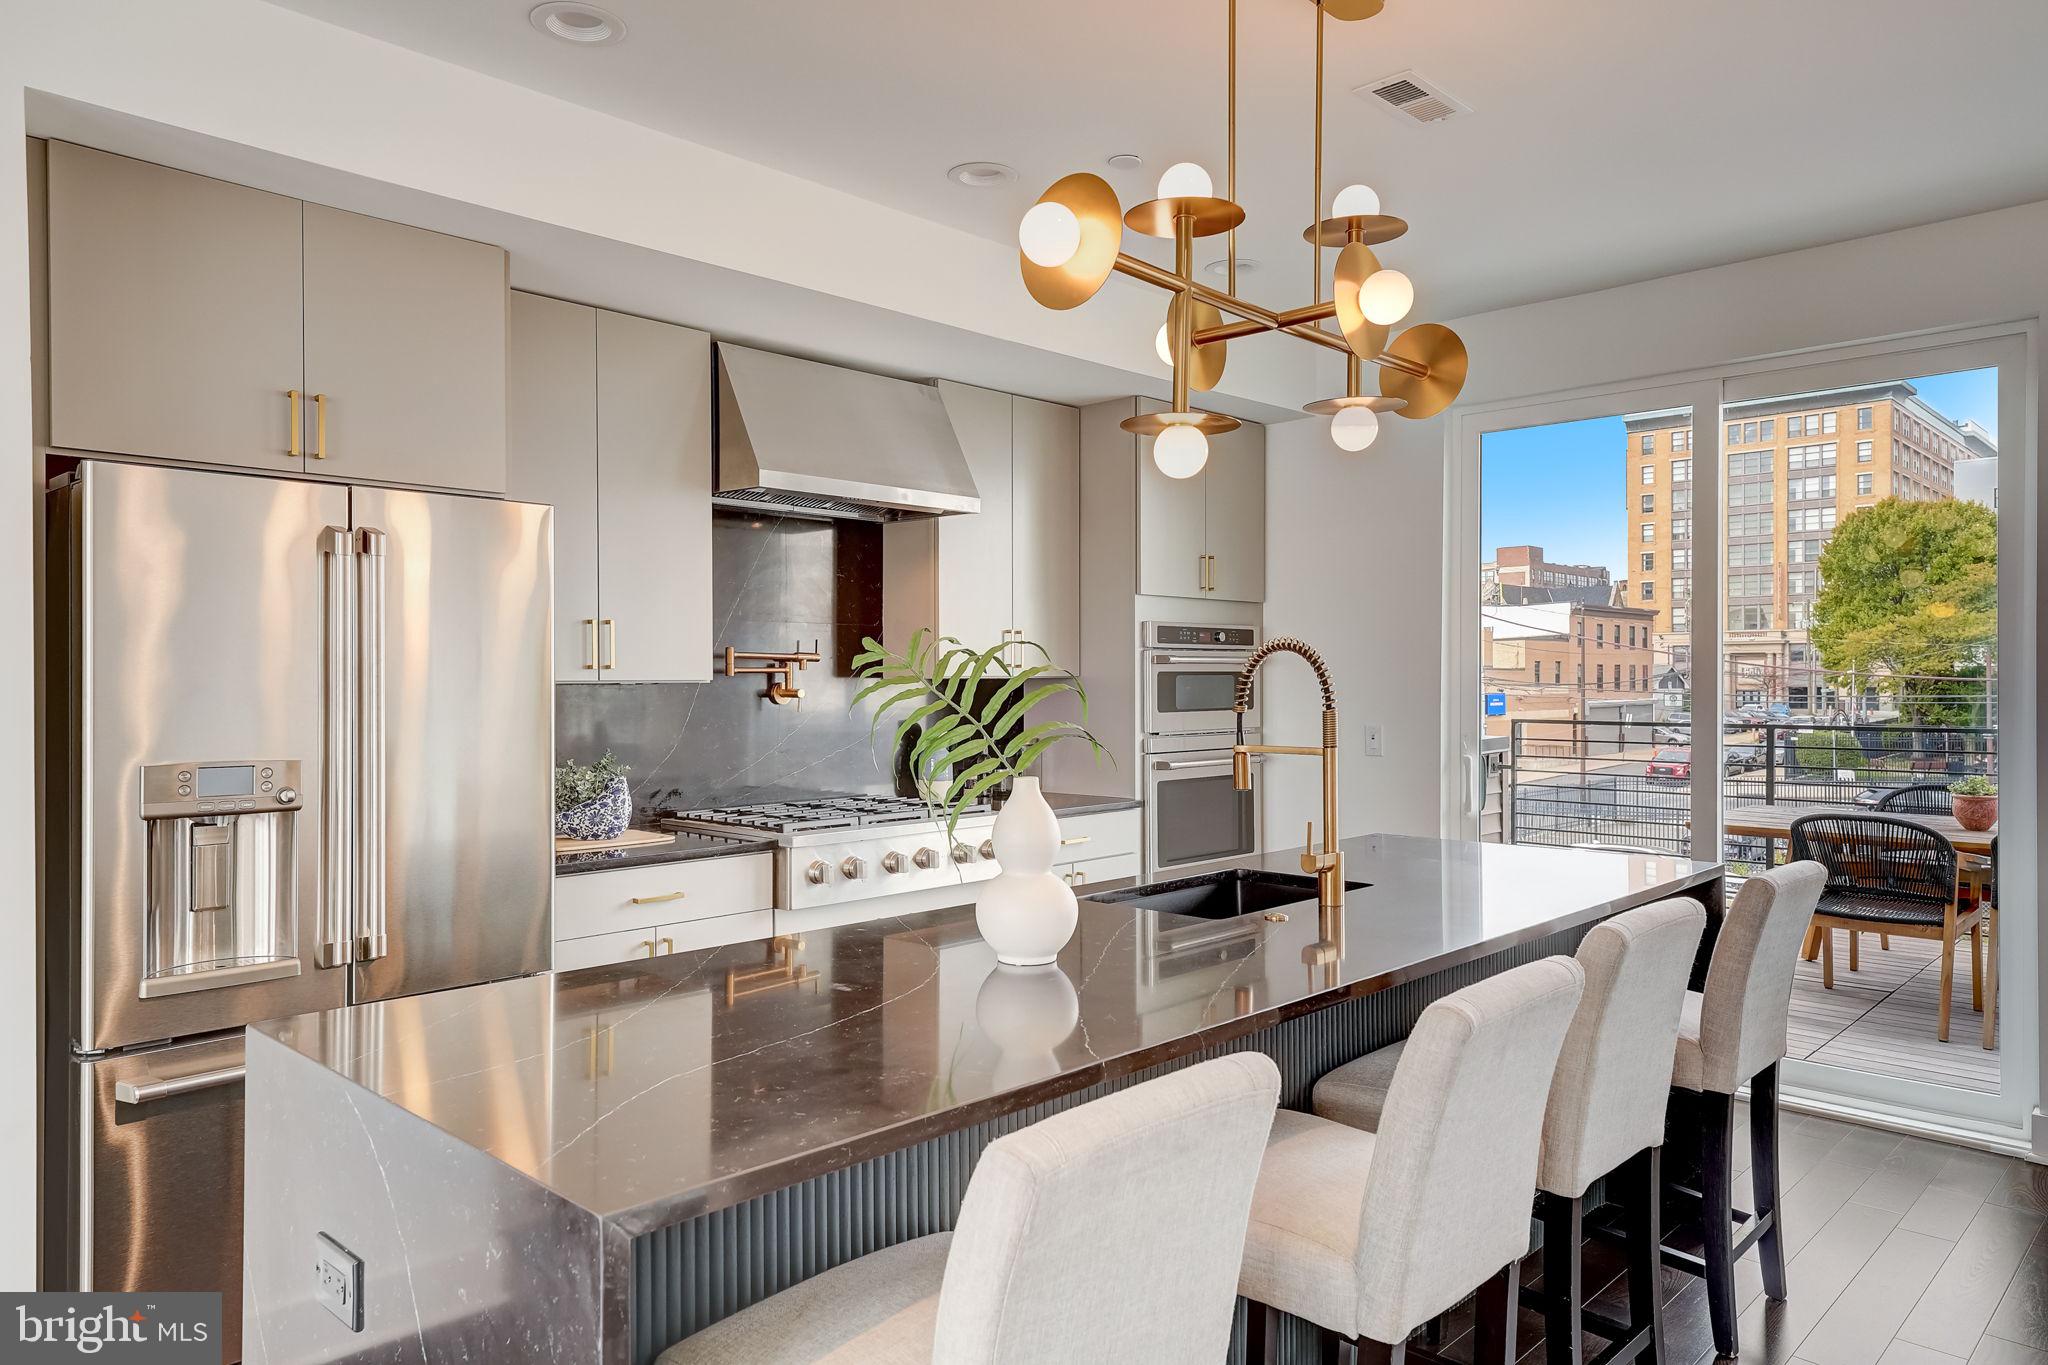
(298, 756)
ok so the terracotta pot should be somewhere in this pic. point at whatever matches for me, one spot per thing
(1977, 813)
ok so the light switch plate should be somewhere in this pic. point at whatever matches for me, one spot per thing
(1373, 748)
(338, 1281)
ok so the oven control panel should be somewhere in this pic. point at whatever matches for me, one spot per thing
(1166, 635)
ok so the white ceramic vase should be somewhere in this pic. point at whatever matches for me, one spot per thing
(1025, 912)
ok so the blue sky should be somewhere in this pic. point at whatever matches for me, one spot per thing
(1563, 486)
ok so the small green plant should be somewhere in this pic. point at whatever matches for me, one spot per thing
(964, 749)
(1974, 785)
(575, 783)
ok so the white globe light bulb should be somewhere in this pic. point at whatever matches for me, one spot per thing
(1355, 201)
(1159, 344)
(1354, 429)
(1049, 234)
(1186, 180)
(1386, 296)
(1180, 452)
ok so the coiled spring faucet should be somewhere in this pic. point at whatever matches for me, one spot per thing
(1327, 863)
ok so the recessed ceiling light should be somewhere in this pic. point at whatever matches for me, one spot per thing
(1127, 161)
(980, 175)
(574, 22)
(1223, 267)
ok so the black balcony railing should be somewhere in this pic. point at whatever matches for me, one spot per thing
(1569, 783)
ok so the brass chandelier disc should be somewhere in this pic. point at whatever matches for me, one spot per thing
(1434, 345)
(1205, 364)
(1355, 265)
(1351, 9)
(1155, 217)
(1093, 202)
(1372, 229)
(1152, 423)
(1330, 407)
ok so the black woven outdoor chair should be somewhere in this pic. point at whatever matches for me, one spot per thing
(1922, 798)
(1890, 875)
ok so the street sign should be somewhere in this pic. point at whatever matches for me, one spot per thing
(1496, 703)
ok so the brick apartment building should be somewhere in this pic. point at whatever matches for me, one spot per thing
(1559, 660)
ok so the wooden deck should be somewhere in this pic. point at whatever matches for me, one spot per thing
(1881, 1018)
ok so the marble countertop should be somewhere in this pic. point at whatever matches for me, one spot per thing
(655, 1090)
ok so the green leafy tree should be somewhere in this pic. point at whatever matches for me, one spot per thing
(1910, 592)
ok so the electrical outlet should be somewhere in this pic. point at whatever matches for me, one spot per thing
(1373, 748)
(338, 1281)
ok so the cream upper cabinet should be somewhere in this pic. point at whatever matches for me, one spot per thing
(610, 423)
(405, 353)
(1014, 566)
(551, 457)
(190, 319)
(1205, 536)
(654, 399)
(175, 313)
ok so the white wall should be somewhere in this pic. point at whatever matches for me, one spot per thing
(1355, 542)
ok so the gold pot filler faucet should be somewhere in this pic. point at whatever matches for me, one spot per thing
(1327, 863)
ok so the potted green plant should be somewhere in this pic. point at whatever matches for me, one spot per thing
(966, 744)
(1975, 800)
(592, 801)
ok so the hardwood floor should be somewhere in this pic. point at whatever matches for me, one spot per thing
(1901, 1251)
(1881, 1018)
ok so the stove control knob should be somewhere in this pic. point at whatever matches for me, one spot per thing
(988, 849)
(962, 853)
(894, 862)
(853, 869)
(816, 873)
(926, 858)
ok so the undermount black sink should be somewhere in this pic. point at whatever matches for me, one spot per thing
(1223, 895)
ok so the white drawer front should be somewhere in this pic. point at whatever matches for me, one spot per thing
(588, 903)
(598, 950)
(1095, 871)
(1102, 835)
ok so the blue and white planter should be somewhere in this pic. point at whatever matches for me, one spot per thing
(601, 817)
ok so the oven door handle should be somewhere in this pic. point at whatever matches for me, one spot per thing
(1232, 662)
(1166, 765)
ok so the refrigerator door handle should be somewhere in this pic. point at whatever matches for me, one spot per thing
(145, 1089)
(372, 940)
(338, 743)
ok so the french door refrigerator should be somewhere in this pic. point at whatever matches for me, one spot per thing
(298, 755)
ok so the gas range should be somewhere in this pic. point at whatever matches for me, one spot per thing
(834, 850)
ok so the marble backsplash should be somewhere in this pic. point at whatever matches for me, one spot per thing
(776, 582)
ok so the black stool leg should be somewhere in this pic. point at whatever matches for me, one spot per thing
(1717, 1212)
(1763, 1161)
(1261, 1333)
(1493, 1331)
(1643, 1186)
(1563, 1286)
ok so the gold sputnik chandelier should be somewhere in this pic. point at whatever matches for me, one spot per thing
(1071, 241)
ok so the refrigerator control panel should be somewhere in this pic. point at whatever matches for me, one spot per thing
(173, 791)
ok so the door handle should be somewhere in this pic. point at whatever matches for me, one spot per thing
(292, 450)
(1075, 839)
(668, 945)
(1179, 765)
(590, 645)
(611, 642)
(371, 926)
(146, 1089)
(338, 742)
(655, 900)
(319, 426)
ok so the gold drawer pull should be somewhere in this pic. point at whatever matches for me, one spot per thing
(668, 945)
(319, 426)
(590, 653)
(654, 900)
(1076, 839)
(292, 451)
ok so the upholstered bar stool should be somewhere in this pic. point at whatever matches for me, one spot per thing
(1111, 1231)
(1605, 1117)
(1733, 1034)
(1370, 1235)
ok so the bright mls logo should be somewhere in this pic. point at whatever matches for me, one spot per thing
(170, 1329)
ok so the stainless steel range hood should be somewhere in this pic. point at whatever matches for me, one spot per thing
(816, 440)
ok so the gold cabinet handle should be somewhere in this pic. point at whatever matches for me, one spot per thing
(611, 642)
(590, 645)
(649, 944)
(654, 900)
(319, 426)
(668, 945)
(292, 450)
(1076, 839)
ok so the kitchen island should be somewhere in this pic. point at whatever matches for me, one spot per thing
(590, 1165)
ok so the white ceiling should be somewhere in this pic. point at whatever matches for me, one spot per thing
(1610, 140)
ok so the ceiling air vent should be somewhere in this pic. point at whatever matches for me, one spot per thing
(1412, 97)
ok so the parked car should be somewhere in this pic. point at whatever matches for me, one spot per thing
(1670, 765)
(1742, 758)
(1674, 734)
(1779, 711)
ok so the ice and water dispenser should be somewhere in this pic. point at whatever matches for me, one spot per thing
(221, 903)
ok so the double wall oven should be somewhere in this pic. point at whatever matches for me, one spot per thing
(1195, 814)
